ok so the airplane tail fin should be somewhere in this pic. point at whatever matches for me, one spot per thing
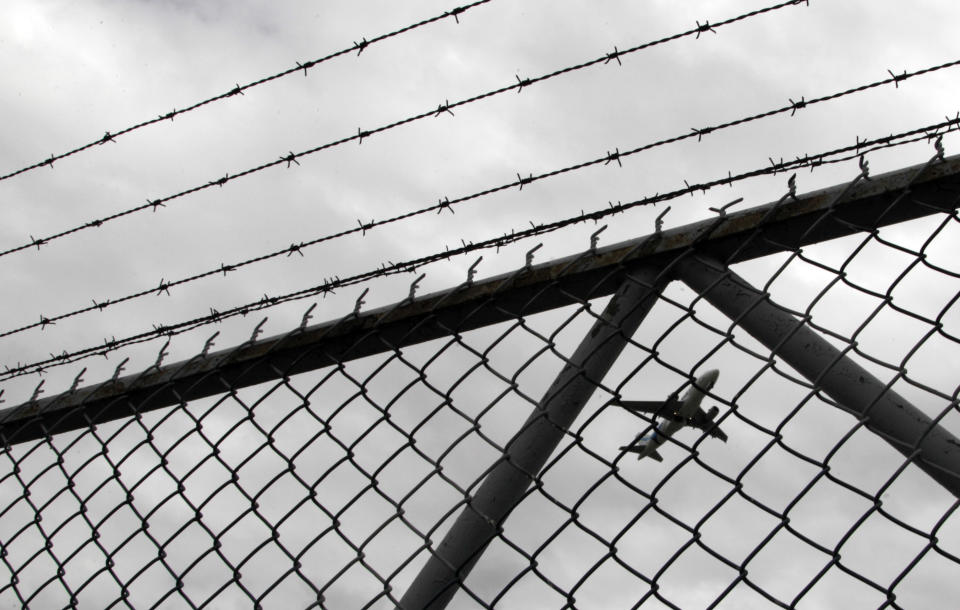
(641, 448)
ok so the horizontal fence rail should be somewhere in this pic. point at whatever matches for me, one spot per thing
(474, 447)
(735, 237)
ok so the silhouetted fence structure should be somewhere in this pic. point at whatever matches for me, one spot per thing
(464, 445)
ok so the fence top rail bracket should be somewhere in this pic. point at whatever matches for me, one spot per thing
(792, 223)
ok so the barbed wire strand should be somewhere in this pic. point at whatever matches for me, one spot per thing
(812, 161)
(291, 157)
(239, 89)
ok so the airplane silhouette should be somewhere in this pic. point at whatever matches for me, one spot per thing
(676, 415)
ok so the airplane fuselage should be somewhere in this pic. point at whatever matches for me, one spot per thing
(687, 409)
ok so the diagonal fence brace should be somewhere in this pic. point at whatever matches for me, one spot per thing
(527, 452)
(905, 427)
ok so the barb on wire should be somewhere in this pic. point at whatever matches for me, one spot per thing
(362, 134)
(239, 89)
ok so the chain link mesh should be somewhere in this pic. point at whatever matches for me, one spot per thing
(324, 472)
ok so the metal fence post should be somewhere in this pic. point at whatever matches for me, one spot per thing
(904, 426)
(528, 450)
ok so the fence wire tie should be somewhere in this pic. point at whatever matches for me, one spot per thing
(209, 344)
(614, 55)
(722, 212)
(472, 271)
(529, 256)
(938, 145)
(120, 367)
(595, 239)
(307, 316)
(413, 287)
(615, 156)
(706, 27)
(360, 302)
(898, 77)
(792, 187)
(797, 105)
(163, 354)
(864, 167)
(37, 391)
(76, 381)
(658, 222)
(257, 331)
(444, 107)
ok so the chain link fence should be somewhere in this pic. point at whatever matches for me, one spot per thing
(466, 446)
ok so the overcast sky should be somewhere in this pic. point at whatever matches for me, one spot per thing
(76, 71)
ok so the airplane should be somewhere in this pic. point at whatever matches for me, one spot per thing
(677, 414)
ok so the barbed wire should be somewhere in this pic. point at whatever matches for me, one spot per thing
(445, 108)
(444, 204)
(359, 47)
(842, 154)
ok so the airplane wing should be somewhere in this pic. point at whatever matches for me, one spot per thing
(665, 408)
(705, 422)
